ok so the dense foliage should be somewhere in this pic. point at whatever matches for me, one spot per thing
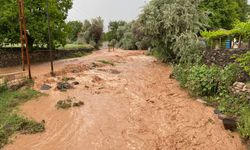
(244, 62)
(37, 25)
(223, 13)
(127, 35)
(75, 28)
(240, 29)
(172, 27)
(92, 32)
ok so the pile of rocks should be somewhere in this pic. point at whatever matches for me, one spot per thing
(240, 87)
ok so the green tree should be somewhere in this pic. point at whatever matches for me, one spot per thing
(223, 13)
(36, 19)
(75, 28)
(113, 27)
(96, 30)
(92, 31)
(172, 27)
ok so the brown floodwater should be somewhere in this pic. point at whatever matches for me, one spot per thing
(132, 105)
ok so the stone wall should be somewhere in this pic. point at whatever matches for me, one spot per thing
(222, 57)
(12, 57)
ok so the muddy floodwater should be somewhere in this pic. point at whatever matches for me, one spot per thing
(130, 103)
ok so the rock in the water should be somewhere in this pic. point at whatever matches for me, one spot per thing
(216, 111)
(230, 124)
(201, 101)
(45, 87)
(63, 86)
(75, 83)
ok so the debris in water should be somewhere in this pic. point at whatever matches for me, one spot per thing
(75, 83)
(230, 124)
(64, 86)
(45, 87)
(68, 103)
(78, 104)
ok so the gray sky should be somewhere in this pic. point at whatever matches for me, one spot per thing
(107, 9)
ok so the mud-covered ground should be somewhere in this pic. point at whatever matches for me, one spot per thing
(131, 105)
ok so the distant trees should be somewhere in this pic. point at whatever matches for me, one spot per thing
(92, 32)
(127, 35)
(37, 26)
(75, 28)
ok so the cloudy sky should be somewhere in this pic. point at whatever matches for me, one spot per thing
(107, 9)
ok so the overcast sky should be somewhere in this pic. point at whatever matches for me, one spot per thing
(107, 9)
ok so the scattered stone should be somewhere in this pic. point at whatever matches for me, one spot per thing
(64, 86)
(75, 83)
(222, 116)
(45, 87)
(201, 101)
(240, 87)
(230, 124)
(78, 104)
(171, 76)
(87, 87)
(217, 112)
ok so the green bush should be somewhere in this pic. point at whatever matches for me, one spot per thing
(231, 105)
(244, 61)
(181, 73)
(203, 80)
(228, 76)
(244, 122)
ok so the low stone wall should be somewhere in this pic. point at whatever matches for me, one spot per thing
(222, 57)
(12, 57)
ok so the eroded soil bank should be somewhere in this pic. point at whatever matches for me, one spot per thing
(130, 105)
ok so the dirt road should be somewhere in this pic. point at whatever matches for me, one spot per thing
(132, 105)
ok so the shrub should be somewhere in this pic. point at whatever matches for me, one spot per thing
(244, 122)
(181, 73)
(228, 76)
(231, 104)
(244, 61)
(203, 80)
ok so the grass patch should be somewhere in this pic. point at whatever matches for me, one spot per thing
(76, 47)
(106, 62)
(10, 121)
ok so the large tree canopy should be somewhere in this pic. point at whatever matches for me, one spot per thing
(223, 13)
(35, 11)
(172, 27)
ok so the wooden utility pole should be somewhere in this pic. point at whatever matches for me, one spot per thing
(23, 35)
(49, 42)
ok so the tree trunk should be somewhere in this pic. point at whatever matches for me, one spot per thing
(239, 42)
